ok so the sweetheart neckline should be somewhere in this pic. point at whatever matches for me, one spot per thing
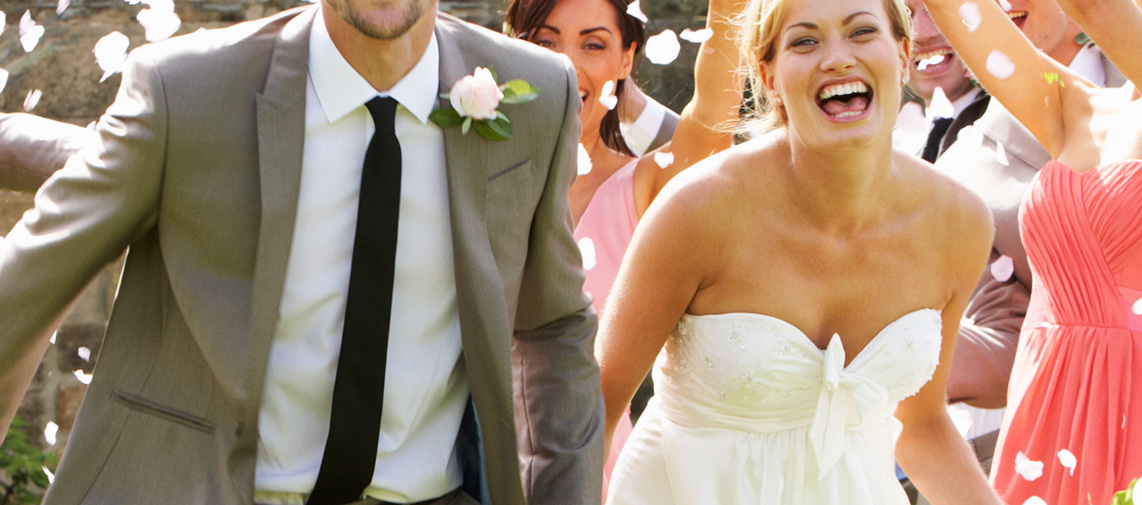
(809, 341)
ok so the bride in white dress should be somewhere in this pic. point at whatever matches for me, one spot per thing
(804, 290)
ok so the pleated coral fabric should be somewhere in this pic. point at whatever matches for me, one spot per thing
(1076, 385)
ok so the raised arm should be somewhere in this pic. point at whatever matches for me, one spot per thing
(32, 148)
(1116, 26)
(1031, 85)
(705, 126)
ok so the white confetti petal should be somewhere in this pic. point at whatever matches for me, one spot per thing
(53, 339)
(1137, 307)
(32, 99)
(928, 62)
(1068, 460)
(3, 79)
(51, 476)
(1137, 489)
(1029, 470)
(587, 249)
(663, 48)
(969, 13)
(941, 106)
(584, 161)
(84, 353)
(635, 10)
(696, 36)
(50, 431)
(1003, 268)
(1001, 155)
(30, 32)
(607, 97)
(62, 6)
(664, 159)
(83, 377)
(1005, 5)
(159, 20)
(999, 65)
(111, 53)
(1035, 500)
(3, 21)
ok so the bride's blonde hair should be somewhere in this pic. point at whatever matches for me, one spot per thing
(762, 20)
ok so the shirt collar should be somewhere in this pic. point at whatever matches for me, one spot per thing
(963, 102)
(340, 89)
(1088, 63)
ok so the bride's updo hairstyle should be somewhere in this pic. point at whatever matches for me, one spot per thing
(758, 43)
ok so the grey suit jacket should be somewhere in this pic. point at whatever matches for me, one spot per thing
(995, 312)
(45, 146)
(197, 171)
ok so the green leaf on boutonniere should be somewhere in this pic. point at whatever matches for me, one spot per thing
(1083, 39)
(501, 125)
(518, 91)
(466, 125)
(487, 131)
(446, 118)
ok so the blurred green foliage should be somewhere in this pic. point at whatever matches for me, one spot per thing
(22, 476)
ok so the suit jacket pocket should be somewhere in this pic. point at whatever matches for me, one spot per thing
(146, 406)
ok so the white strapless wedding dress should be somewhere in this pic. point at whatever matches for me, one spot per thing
(747, 410)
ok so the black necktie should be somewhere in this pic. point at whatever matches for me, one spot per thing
(935, 135)
(358, 390)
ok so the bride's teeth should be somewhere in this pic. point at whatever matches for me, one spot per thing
(847, 88)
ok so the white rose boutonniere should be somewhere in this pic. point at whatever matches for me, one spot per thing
(474, 99)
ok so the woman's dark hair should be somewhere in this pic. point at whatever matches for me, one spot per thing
(524, 16)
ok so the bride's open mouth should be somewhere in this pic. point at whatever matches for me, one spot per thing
(845, 101)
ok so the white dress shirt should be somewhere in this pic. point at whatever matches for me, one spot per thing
(642, 132)
(426, 388)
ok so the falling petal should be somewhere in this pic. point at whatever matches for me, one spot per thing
(53, 339)
(1005, 5)
(1029, 470)
(608, 98)
(84, 353)
(1137, 307)
(32, 99)
(62, 6)
(111, 52)
(1035, 500)
(961, 418)
(1136, 490)
(587, 249)
(1003, 268)
(30, 32)
(696, 36)
(51, 476)
(3, 21)
(3, 79)
(928, 62)
(584, 161)
(50, 432)
(1001, 154)
(83, 377)
(971, 16)
(999, 65)
(941, 106)
(635, 11)
(664, 159)
(663, 48)
(1068, 460)
(159, 20)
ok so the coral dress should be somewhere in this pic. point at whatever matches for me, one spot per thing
(1077, 380)
(604, 232)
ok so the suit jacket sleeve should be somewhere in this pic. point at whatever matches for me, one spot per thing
(32, 148)
(83, 219)
(559, 403)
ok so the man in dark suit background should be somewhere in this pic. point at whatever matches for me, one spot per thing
(231, 164)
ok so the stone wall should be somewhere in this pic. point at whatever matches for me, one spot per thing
(63, 68)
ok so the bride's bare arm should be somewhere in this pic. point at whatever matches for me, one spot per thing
(930, 450)
(664, 267)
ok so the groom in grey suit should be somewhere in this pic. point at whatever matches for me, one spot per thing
(230, 168)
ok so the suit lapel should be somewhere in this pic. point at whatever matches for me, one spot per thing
(479, 288)
(281, 133)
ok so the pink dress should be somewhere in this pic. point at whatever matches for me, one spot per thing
(1076, 384)
(606, 228)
